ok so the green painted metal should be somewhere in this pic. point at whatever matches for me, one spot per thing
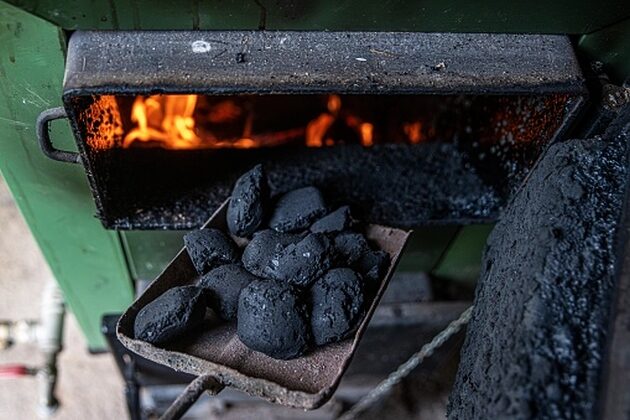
(461, 263)
(611, 46)
(53, 197)
(540, 16)
(149, 252)
(425, 246)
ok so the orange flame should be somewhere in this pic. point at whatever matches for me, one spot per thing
(167, 119)
(191, 122)
(366, 130)
(414, 132)
(317, 128)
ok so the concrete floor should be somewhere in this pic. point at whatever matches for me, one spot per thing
(89, 386)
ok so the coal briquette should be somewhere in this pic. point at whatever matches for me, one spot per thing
(248, 203)
(210, 248)
(351, 246)
(261, 249)
(302, 263)
(372, 266)
(174, 313)
(337, 221)
(223, 286)
(273, 319)
(337, 305)
(297, 209)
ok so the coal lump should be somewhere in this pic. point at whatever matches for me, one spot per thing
(262, 248)
(350, 246)
(272, 319)
(210, 248)
(248, 203)
(337, 221)
(174, 313)
(337, 305)
(302, 263)
(297, 210)
(223, 286)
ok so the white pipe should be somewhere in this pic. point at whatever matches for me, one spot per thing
(50, 339)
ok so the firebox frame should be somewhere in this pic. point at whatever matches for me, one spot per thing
(289, 63)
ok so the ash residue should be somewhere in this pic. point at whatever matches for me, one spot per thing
(535, 344)
(396, 185)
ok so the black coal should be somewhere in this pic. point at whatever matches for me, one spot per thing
(210, 248)
(261, 249)
(337, 304)
(248, 203)
(350, 246)
(536, 342)
(372, 265)
(336, 221)
(223, 286)
(297, 209)
(302, 263)
(173, 314)
(272, 319)
(304, 282)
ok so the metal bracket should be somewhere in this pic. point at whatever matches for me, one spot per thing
(43, 136)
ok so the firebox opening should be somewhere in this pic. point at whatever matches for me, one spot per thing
(166, 161)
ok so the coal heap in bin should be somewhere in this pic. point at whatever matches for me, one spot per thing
(304, 279)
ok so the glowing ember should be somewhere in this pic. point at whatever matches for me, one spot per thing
(366, 130)
(316, 130)
(414, 132)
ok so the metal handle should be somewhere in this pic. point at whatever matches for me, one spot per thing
(190, 395)
(44, 138)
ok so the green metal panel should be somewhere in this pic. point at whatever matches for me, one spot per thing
(53, 197)
(611, 46)
(541, 16)
(425, 247)
(461, 263)
(149, 252)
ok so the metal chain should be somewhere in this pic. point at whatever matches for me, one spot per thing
(406, 368)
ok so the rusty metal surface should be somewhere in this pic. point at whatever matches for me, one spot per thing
(237, 62)
(306, 382)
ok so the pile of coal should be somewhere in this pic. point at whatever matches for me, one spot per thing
(304, 279)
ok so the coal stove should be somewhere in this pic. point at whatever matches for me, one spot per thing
(410, 128)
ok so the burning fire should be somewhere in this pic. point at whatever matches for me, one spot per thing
(165, 119)
(191, 122)
(169, 120)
